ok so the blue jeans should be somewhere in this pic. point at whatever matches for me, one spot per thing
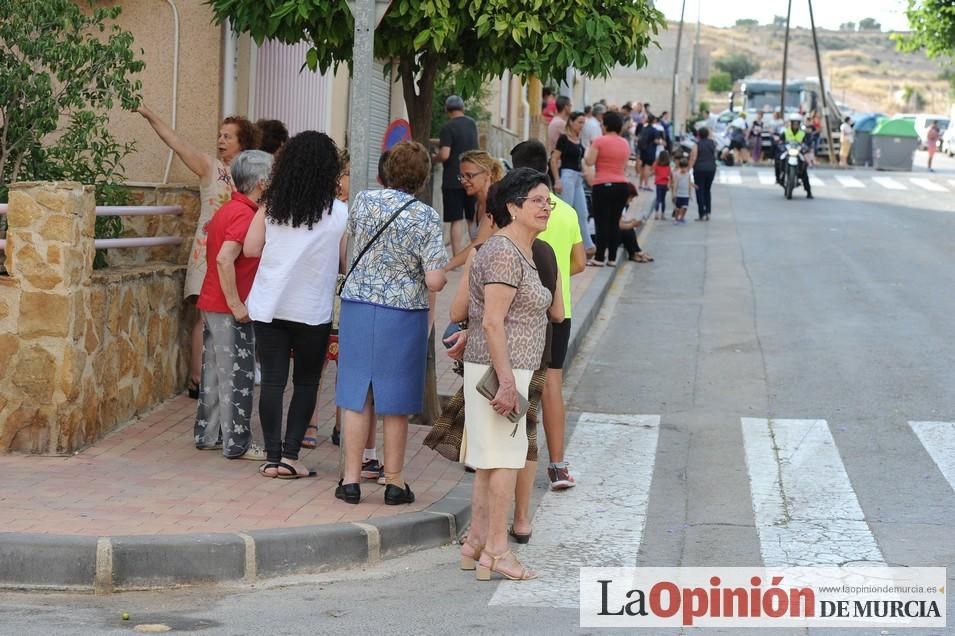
(573, 194)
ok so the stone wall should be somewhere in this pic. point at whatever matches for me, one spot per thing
(183, 225)
(80, 352)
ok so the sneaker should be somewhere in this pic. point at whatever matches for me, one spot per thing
(255, 453)
(381, 476)
(560, 478)
(370, 469)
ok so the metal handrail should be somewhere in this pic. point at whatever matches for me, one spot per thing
(126, 210)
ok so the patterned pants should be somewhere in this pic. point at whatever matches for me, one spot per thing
(228, 379)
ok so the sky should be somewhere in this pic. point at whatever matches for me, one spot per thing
(829, 14)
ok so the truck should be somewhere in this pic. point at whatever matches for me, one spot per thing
(802, 96)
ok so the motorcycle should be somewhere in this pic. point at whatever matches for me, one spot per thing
(793, 168)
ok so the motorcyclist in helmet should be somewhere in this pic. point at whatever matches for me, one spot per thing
(794, 134)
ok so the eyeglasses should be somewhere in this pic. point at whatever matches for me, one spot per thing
(542, 202)
(469, 176)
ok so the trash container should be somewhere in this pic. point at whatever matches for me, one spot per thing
(862, 146)
(894, 142)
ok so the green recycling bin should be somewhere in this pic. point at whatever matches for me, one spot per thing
(894, 142)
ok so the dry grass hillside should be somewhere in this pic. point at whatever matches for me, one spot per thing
(864, 68)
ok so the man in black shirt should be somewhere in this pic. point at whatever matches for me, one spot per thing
(459, 135)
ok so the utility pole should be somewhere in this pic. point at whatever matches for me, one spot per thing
(696, 63)
(782, 94)
(822, 87)
(676, 68)
(367, 14)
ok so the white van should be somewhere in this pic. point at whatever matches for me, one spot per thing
(924, 121)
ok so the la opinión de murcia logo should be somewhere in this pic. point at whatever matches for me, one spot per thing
(867, 596)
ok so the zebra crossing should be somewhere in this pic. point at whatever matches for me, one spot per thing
(767, 177)
(805, 508)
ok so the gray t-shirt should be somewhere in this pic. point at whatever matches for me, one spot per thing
(460, 134)
(682, 180)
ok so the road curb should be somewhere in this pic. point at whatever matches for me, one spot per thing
(146, 562)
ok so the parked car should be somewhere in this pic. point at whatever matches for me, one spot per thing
(948, 141)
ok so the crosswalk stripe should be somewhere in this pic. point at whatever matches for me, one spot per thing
(951, 182)
(815, 181)
(598, 523)
(806, 511)
(766, 177)
(889, 183)
(938, 438)
(849, 182)
(931, 186)
(730, 177)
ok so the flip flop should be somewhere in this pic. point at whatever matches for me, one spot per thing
(294, 473)
(593, 263)
(264, 467)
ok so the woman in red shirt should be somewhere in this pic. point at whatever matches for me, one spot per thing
(608, 155)
(224, 414)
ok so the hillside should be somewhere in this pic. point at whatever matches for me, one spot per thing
(864, 68)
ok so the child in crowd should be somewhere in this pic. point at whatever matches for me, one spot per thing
(663, 179)
(682, 183)
(629, 222)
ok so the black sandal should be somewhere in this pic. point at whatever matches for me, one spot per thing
(193, 389)
(294, 473)
(264, 467)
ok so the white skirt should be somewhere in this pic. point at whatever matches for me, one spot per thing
(487, 441)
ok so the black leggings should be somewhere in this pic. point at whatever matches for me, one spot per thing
(704, 189)
(609, 201)
(275, 341)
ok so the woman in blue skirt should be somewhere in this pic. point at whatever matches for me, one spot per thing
(383, 333)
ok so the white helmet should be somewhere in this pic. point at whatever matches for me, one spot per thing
(794, 117)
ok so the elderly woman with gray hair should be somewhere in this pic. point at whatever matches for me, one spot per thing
(228, 366)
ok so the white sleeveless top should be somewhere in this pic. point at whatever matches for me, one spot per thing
(298, 271)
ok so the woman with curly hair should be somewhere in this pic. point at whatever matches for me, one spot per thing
(383, 331)
(299, 233)
(479, 171)
(215, 190)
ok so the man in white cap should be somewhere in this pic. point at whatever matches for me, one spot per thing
(458, 135)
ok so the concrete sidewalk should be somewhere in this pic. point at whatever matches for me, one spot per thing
(142, 508)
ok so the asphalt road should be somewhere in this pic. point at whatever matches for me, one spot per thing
(827, 321)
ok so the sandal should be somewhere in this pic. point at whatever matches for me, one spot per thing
(193, 389)
(519, 537)
(292, 474)
(593, 263)
(469, 562)
(266, 466)
(483, 572)
(310, 441)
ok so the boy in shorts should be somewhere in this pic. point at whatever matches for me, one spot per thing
(682, 183)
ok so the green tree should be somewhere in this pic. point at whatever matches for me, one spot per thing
(933, 28)
(445, 85)
(869, 24)
(481, 38)
(737, 65)
(720, 82)
(61, 69)
(847, 26)
(56, 67)
(747, 22)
